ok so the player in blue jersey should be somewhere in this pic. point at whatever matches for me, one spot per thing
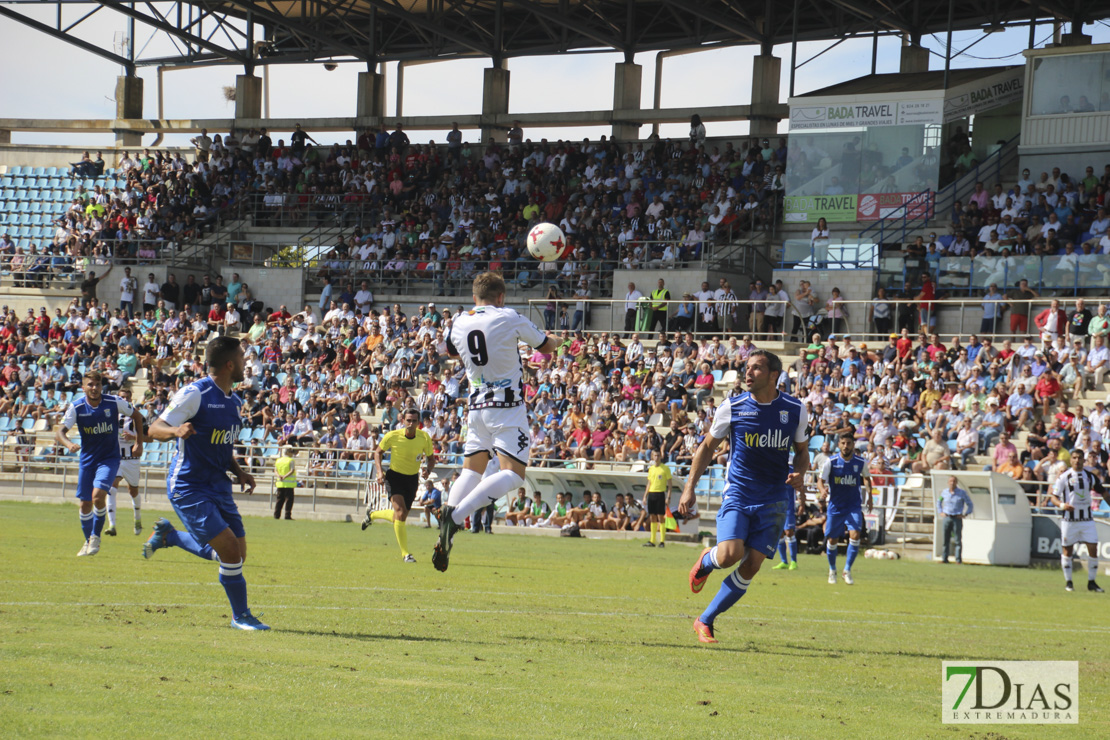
(96, 416)
(788, 544)
(203, 418)
(844, 481)
(762, 425)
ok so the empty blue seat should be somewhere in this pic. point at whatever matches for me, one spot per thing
(17, 170)
(38, 171)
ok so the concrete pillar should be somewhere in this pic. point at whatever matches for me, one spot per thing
(129, 105)
(495, 101)
(766, 73)
(248, 97)
(5, 136)
(371, 95)
(914, 59)
(627, 77)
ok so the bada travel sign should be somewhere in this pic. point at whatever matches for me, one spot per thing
(871, 114)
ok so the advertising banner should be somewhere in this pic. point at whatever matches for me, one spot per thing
(981, 96)
(875, 206)
(806, 209)
(866, 114)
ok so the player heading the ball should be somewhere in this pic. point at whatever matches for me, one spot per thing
(486, 340)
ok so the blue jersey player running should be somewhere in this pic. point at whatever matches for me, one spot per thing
(203, 418)
(844, 481)
(96, 416)
(762, 426)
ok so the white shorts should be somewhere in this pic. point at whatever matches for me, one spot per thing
(1073, 533)
(498, 431)
(129, 471)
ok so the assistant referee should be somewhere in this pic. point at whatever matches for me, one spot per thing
(403, 477)
(657, 498)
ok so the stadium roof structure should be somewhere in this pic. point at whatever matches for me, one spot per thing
(249, 33)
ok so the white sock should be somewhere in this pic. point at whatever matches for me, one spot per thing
(1065, 563)
(112, 506)
(1092, 567)
(489, 490)
(137, 505)
(465, 483)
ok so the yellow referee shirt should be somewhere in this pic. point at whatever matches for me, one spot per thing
(406, 452)
(659, 477)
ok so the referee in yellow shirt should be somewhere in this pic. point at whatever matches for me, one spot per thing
(657, 498)
(403, 477)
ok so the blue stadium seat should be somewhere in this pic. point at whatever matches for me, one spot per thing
(17, 170)
(38, 171)
(52, 171)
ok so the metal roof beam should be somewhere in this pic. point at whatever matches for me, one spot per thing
(119, 7)
(861, 10)
(561, 19)
(737, 27)
(62, 36)
(418, 21)
(272, 18)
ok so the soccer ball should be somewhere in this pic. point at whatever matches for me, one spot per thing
(546, 242)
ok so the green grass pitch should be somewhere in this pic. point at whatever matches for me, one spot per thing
(524, 637)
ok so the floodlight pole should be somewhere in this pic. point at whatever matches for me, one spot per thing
(794, 48)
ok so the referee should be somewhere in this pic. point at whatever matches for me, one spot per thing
(657, 498)
(402, 479)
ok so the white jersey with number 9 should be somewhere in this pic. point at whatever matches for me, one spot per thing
(486, 339)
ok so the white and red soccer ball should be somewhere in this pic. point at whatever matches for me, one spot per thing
(547, 243)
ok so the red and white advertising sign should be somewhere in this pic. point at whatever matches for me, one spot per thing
(876, 206)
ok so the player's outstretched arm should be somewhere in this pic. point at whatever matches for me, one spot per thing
(246, 480)
(163, 432)
(865, 491)
(137, 420)
(61, 436)
(797, 479)
(701, 461)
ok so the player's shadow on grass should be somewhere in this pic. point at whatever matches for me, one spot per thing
(370, 636)
(831, 653)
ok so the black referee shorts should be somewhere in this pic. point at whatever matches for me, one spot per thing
(657, 503)
(398, 484)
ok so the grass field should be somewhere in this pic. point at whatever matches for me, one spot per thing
(522, 637)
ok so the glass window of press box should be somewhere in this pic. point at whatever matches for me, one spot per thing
(1072, 83)
(881, 159)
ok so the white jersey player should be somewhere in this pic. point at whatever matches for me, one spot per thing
(128, 471)
(1073, 494)
(486, 339)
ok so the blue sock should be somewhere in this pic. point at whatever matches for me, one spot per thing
(87, 524)
(731, 591)
(98, 519)
(231, 578)
(830, 550)
(188, 543)
(792, 546)
(853, 550)
(782, 550)
(708, 562)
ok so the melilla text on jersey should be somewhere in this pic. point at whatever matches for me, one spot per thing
(845, 480)
(103, 427)
(225, 436)
(775, 439)
(483, 383)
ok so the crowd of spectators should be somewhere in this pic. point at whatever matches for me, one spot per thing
(424, 210)
(916, 406)
(1054, 215)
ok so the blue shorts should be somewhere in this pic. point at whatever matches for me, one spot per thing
(205, 515)
(791, 512)
(96, 474)
(759, 526)
(838, 520)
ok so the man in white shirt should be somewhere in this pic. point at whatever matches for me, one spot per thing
(364, 298)
(128, 287)
(777, 300)
(1097, 360)
(630, 302)
(704, 296)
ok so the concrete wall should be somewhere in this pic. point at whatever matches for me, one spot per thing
(272, 285)
(855, 285)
